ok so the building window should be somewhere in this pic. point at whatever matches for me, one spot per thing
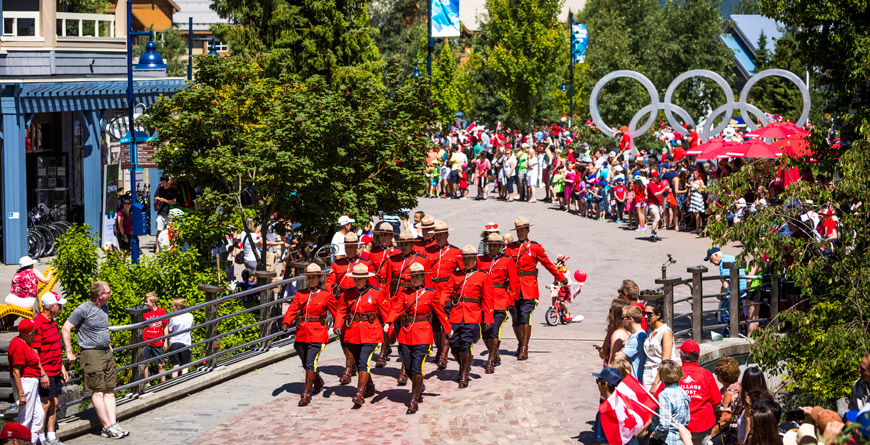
(221, 47)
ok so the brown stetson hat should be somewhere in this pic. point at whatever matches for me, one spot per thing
(441, 227)
(313, 269)
(406, 237)
(469, 250)
(351, 239)
(493, 238)
(520, 223)
(428, 222)
(360, 271)
(417, 269)
(383, 227)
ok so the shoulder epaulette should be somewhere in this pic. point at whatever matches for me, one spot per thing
(365, 259)
(421, 255)
(451, 245)
(534, 242)
(429, 288)
(375, 287)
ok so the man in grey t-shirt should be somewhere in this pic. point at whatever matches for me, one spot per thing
(91, 321)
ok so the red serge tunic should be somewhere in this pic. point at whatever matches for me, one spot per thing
(399, 271)
(443, 260)
(417, 305)
(380, 259)
(526, 256)
(470, 285)
(310, 306)
(340, 274)
(360, 313)
(503, 273)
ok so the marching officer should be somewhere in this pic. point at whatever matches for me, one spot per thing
(379, 256)
(339, 280)
(471, 301)
(444, 259)
(413, 307)
(360, 311)
(308, 311)
(427, 224)
(503, 273)
(399, 274)
(526, 255)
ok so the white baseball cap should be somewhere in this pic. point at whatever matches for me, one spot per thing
(344, 219)
(51, 298)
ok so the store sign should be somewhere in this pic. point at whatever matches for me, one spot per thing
(12, 215)
(144, 156)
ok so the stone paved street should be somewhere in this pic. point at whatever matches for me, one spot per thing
(551, 398)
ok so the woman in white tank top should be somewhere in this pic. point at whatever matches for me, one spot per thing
(659, 345)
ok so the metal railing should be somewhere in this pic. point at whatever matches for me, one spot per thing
(21, 24)
(270, 313)
(695, 286)
(73, 24)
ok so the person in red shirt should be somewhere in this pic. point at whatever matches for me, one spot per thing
(703, 391)
(620, 192)
(640, 203)
(503, 273)
(624, 140)
(444, 258)
(360, 311)
(655, 200)
(828, 228)
(47, 344)
(27, 376)
(154, 330)
(692, 138)
(471, 301)
(427, 227)
(413, 307)
(679, 152)
(308, 313)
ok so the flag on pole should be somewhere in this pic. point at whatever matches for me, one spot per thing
(626, 411)
(498, 126)
(471, 127)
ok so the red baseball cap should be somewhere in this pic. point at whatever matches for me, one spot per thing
(654, 174)
(25, 326)
(689, 347)
(15, 430)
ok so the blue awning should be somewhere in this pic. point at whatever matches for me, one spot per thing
(82, 95)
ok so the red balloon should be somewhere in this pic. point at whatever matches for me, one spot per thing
(580, 275)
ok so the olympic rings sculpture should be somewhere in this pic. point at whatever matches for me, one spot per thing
(669, 108)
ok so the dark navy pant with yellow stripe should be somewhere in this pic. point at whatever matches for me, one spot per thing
(498, 319)
(362, 354)
(413, 357)
(465, 335)
(308, 353)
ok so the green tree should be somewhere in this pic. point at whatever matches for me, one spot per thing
(401, 38)
(445, 88)
(828, 331)
(330, 39)
(523, 42)
(302, 150)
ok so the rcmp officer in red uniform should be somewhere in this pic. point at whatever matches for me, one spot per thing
(308, 311)
(380, 258)
(399, 275)
(444, 258)
(526, 255)
(503, 273)
(413, 307)
(427, 224)
(339, 280)
(471, 302)
(360, 311)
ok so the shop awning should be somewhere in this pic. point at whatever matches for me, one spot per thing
(83, 95)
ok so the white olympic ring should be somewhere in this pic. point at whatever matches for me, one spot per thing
(669, 108)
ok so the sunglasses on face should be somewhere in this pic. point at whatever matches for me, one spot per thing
(649, 314)
(491, 226)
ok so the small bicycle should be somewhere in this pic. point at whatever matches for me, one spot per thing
(562, 295)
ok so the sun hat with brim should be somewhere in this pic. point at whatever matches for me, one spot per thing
(441, 227)
(521, 223)
(491, 227)
(417, 269)
(383, 227)
(26, 261)
(360, 271)
(406, 237)
(427, 222)
(493, 238)
(351, 239)
(469, 250)
(313, 269)
(805, 435)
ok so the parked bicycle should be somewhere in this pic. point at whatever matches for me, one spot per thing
(44, 227)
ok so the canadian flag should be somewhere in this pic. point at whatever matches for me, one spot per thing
(471, 127)
(498, 126)
(626, 411)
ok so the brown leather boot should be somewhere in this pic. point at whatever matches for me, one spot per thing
(403, 377)
(305, 399)
(437, 336)
(348, 368)
(465, 368)
(416, 390)
(518, 330)
(370, 387)
(362, 382)
(318, 383)
(382, 357)
(490, 361)
(458, 358)
(442, 361)
(495, 345)
(524, 351)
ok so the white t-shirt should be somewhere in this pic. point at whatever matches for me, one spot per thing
(338, 240)
(180, 323)
(246, 246)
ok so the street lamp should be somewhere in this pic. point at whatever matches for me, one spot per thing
(417, 72)
(212, 51)
(563, 87)
(148, 60)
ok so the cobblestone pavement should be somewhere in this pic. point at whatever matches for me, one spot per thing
(551, 398)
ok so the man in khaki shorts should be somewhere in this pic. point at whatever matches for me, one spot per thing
(91, 321)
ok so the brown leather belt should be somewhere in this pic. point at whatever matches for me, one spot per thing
(370, 317)
(321, 320)
(528, 273)
(440, 280)
(406, 321)
(382, 280)
(469, 300)
(402, 284)
(500, 285)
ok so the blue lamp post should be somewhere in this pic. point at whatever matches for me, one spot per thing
(417, 72)
(212, 50)
(148, 60)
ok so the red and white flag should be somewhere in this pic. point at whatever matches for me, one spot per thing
(498, 126)
(471, 127)
(626, 411)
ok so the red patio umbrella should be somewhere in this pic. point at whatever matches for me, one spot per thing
(777, 130)
(796, 146)
(703, 146)
(718, 149)
(754, 148)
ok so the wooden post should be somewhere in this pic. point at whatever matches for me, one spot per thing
(774, 302)
(734, 303)
(668, 302)
(138, 352)
(264, 277)
(211, 312)
(697, 302)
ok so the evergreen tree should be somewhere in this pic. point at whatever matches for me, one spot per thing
(445, 91)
